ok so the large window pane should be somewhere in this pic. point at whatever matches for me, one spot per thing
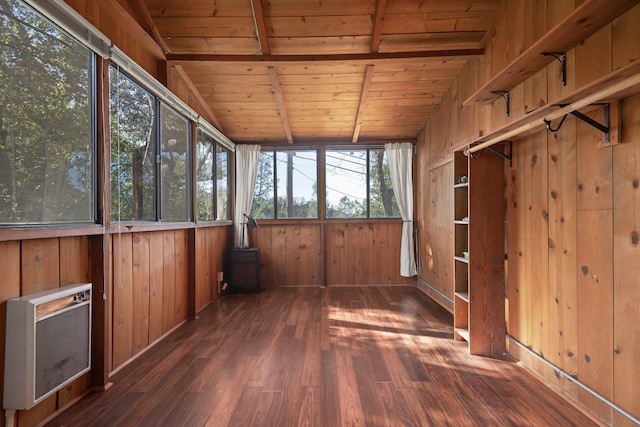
(46, 121)
(133, 158)
(297, 184)
(223, 186)
(382, 201)
(346, 177)
(205, 173)
(174, 162)
(264, 195)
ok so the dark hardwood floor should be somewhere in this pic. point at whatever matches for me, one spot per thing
(343, 356)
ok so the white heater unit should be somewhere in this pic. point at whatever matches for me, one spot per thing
(48, 343)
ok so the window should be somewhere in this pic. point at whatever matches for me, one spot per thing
(47, 144)
(133, 154)
(150, 165)
(358, 184)
(286, 185)
(174, 161)
(213, 179)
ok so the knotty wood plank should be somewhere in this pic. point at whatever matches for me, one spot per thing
(156, 285)
(563, 322)
(586, 19)
(626, 269)
(181, 276)
(74, 262)
(122, 299)
(168, 280)
(141, 291)
(40, 261)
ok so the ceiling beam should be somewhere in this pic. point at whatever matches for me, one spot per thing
(367, 58)
(363, 99)
(261, 27)
(377, 26)
(277, 91)
(146, 22)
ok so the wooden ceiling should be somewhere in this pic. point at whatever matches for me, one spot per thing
(301, 71)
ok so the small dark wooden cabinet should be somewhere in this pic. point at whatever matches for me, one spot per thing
(244, 269)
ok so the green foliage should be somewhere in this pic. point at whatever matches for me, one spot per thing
(46, 137)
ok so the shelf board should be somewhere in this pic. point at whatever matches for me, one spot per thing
(462, 333)
(464, 296)
(621, 83)
(585, 20)
(461, 259)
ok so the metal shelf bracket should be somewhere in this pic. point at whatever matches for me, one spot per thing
(562, 59)
(505, 95)
(508, 157)
(604, 128)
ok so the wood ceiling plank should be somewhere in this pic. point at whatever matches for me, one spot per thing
(320, 45)
(320, 79)
(419, 42)
(200, 26)
(405, 23)
(194, 8)
(196, 93)
(319, 7)
(411, 6)
(319, 26)
(212, 45)
(329, 88)
(146, 22)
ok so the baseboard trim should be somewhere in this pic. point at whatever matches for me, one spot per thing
(436, 295)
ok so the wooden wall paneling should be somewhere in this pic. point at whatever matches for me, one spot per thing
(140, 292)
(74, 260)
(625, 33)
(381, 258)
(352, 265)
(279, 255)
(335, 245)
(310, 255)
(537, 240)
(202, 267)
(169, 280)
(563, 321)
(454, 117)
(264, 242)
(38, 413)
(156, 285)
(517, 281)
(593, 57)
(626, 268)
(40, 262)
(9, 288)
(122, 298)
(181, 273)
(292, 240)
(364, 258)
(595, 268)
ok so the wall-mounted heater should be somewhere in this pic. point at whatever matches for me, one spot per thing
(48, 343)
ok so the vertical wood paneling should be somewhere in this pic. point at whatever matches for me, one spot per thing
(181, 273)
(40, 261)
(74, 260)
(562, 249)
(535, 25)
(140, 333)
(310, 256)
(169, 281)
(625, 33)
(626, 250)
(156, 285)
(292, 244)
(122, 298)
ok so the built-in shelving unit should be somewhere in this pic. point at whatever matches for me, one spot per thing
(479, 212)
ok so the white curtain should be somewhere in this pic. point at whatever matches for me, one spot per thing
(400, 161)
(246, 171)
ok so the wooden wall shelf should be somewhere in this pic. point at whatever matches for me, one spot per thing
(585, 20)
(616, 85)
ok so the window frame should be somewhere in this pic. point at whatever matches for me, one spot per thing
(216, 144)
